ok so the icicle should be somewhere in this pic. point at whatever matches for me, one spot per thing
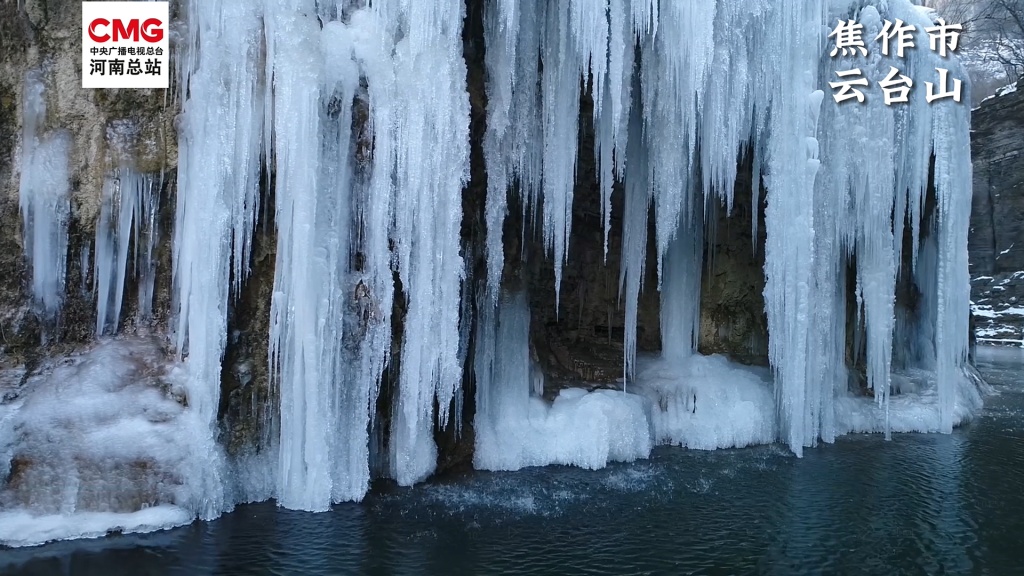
(85, 264)
(676, 63)
(374, 203)
(503, 373)
(588, 27)
(147, 236)
(727, 99)
(789, 258)
(634, 238)
(501, 30)
(680, 292)
(561, 97)
(305, 321)
(127, 224)
(527, 112)
(44, 199)
(644, 17)
(611, 121)
(953, 181)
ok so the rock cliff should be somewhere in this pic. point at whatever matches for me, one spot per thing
(997, 220)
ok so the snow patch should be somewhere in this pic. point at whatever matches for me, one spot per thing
(21, 528)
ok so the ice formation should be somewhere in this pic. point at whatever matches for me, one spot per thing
(44, 196)
(516, 428)
(127, 221)
(714, 79)
(345, 127)
(331, 324)
(103, 440)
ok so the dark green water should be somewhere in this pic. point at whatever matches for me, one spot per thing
(920, 504)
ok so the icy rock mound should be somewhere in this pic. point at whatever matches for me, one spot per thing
(102, 441)
(580, 428)
(914, 405)
(704, 402)
(708, 402)
(515, 428)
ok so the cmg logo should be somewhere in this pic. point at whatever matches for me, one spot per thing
(125, 44)
(103, 30)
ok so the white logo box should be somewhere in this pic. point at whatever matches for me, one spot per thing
(125, 45)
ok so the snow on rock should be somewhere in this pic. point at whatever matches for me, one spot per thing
(105, 440)
(998, 308)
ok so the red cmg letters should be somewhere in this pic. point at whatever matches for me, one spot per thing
(151, 30)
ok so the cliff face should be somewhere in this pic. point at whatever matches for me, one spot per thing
(106, 130)
(997, 219)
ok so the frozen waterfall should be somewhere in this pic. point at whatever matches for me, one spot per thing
(680, 91)
(344, 129)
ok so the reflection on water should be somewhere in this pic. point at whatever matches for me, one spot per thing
(917, 504)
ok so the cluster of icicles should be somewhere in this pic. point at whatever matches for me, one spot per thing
(681, 90)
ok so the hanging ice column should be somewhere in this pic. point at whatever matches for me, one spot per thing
(408, 216)
(880, 162)
(789, 218)
(325, 398)
(44, 199)
(340, 233)
(304, 327)
(218, 192)
(431, 168)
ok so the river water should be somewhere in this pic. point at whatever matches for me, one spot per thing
(920, 504)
